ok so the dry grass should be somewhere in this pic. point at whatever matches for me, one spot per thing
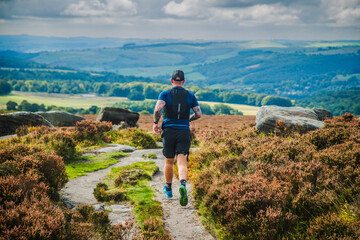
(206, 122)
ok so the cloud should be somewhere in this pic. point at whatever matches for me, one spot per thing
(32, 8)
(275, 13)
(98, 8)
(343, 12)
(229, 19)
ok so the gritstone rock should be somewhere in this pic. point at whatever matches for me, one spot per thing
(117, 115)
(322, 114)
(11, 121)
(306, 119)
(60, 118)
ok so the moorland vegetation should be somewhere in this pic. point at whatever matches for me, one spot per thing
(33, 168)
(285, 185)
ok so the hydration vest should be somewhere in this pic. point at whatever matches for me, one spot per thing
(179, 109)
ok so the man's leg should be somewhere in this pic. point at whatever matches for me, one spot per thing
(169, 169)
(182, 165)
(169, 153)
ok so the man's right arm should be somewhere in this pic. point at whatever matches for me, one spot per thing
(157, 115)
(157, 112)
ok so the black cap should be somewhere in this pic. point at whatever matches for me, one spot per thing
(178, 74)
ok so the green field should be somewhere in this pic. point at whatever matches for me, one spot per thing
(84, 101)
(245, 109)
(333, 44)
(61, 100)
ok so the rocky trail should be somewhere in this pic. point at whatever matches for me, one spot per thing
(180, 222)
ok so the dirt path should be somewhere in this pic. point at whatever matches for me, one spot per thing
(180, 222)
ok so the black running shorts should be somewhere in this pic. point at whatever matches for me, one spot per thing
(175, 141)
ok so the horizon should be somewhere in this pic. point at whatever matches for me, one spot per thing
(182, 39)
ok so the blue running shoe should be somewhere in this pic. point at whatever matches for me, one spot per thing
(167, 193)
(183, 196)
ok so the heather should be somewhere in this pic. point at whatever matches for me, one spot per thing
(36, 164)
(286, 185)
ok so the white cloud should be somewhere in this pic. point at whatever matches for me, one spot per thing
(97, 8)
(343, 12)
(257, 14)
(188, 8)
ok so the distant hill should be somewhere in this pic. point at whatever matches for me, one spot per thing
(26, 43)
(294, 69)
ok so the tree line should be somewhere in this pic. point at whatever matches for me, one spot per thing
(338, 102)
(138, 91)
(142, 107)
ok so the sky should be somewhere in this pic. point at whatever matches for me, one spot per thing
(184, 19)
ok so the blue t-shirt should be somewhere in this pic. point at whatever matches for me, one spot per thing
(177, 123)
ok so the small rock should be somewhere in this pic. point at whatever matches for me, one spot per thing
(99, 207)
(118, 115)
(116, 148)
(69, 204)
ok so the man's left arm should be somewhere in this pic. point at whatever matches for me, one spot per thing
(197, 113)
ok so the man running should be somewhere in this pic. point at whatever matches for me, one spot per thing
(175, 130)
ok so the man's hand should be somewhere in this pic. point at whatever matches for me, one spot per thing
(157, 129)
(192, 127)
(197, 113)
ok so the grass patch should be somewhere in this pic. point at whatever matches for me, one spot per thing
(150, 155)
(130, 183)
(93, 163)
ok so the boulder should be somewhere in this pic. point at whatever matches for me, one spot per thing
(11, 121)
(306, 119)
(60, 118)
(118, 115)
(322, 114)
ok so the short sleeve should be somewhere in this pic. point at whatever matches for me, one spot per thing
(194, 102)
(162, 96)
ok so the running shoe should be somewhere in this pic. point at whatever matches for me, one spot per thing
(183, 196)
(167, 193)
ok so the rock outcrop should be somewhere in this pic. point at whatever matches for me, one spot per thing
(11, 121)
(322, 114)
(60, 118)
(118, 115)
(296, 117)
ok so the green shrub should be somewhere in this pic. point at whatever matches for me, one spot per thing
(92, 131)
(86, 211)
(133, 137)
(332, 226)
(99, 192)
(62, 143)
